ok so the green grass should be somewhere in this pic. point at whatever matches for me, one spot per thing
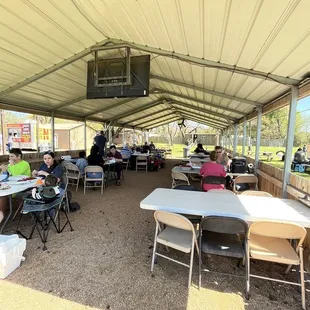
(177, 152)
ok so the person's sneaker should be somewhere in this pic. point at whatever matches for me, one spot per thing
(1, 216)
(118, 183)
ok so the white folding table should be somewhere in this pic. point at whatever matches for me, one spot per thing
(195, 170)
(16, 187)
(247, 208)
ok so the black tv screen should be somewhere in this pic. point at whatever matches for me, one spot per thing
(110, 70)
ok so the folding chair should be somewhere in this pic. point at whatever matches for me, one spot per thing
(93, 181)
(126, 162)
(73, 174)
(221, 236)
(221, 191)
(211, 179)
(256, 193)
(141, 162)
(269, 241)
(44, 214)
(177, 178)
(178, 234)
(251, 180)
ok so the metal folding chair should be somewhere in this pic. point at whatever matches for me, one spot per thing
(45, 214)
(177, 178)
(73, 174)
(211, 179)
(256, 193)
(221, 236)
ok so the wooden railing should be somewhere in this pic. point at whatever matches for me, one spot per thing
(270, 180)
(35, 159)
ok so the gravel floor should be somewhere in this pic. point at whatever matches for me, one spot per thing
(105, 263)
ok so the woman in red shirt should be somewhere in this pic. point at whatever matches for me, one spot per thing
(212, 168)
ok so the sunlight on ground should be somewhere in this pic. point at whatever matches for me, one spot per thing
(206, 299)
(17, 297)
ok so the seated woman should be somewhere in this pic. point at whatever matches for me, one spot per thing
(199, 149)
(114, 154)
(94, 159)
(49, 166)
(17, 166)
(212, 168)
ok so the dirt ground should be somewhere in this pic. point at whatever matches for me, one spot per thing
(105, 263)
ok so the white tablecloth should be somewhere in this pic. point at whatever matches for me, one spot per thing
(247, 208)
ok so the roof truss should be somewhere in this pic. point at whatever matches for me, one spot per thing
(162, 123)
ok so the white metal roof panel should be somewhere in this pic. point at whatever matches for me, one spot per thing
(269, 36)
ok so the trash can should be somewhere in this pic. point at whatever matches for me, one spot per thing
(185, 152)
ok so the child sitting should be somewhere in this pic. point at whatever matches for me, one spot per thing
(82, 162)
(48, 192)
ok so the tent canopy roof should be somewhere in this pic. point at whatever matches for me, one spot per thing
(213, 62)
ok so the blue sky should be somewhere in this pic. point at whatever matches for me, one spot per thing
(304, 104)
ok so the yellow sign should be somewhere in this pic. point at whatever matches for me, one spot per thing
(44, 134)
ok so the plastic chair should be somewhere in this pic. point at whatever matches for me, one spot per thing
(93, 181)
(141, 162)
(269, 241)
(211, 179)
(221, 191)
(221, 236)
(251, 180)
(179, 234)
(256, 193)
(177, 178)
(73, 174)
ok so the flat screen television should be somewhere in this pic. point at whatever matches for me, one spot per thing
(112, 71)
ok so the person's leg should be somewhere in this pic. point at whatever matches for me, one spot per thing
(3, 205)
(118, 170)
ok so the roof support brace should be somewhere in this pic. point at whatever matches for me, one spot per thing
(200, 120)
(215, 106)
(118, 104)
(138, 110)
(162, 123)
(206, 91)
(289, 140)
(211, 121)
(235, 138)
(54, 68)
(143, 124)
(143, 117)
(244, 138)
(258, 136)
(194, 119)
(209, 63)
(193, 108)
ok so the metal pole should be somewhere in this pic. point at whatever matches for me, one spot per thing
(3, 132)
(85, 135)
(258, 135)
(235, 138)
(148, 136)
(250, 136)
(134, 136)
(244, 137)
(289, 140)
(53, 131)
(123, 133)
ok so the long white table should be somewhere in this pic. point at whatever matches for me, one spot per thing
(16, 187)
(186, 171)
(247, 208)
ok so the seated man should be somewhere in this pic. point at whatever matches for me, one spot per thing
(145, 148)
(199, 149)
(17, 166)
(114, 154)
(152, 146)
(126, 151)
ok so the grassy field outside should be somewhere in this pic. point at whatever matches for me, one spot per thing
(177, 152)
